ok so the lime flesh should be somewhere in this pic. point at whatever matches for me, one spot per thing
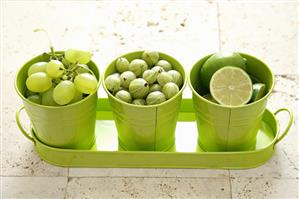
(231, 86)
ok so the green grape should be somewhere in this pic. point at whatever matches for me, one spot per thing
(55, 69)
(77, 56)
(64, 92)
(39, 82)
(86, 83)
(37, 67)
(35, 98)
(83, 68)
(47, 98)
(78, 96)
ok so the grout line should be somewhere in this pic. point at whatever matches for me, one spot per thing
(230, 185)
(218, 24)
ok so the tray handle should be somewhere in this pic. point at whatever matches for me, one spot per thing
(25, 133)
(291, 119)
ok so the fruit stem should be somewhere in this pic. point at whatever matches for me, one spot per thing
(50, 42)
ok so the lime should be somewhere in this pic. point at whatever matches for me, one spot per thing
(219, 60)
(231, 86)
(259, 90)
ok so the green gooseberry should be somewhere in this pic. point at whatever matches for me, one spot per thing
(164, 64)
(112, 83)
(138, 66)
(138, 88)
(122, 64)
(164, 78)
(155, 97)
(138, 102)
(35, 98)
(176, 77)
(158, 69)
(155, 87)
(150, 76)
(126, 78)
(124, 96)
(151, 57)
(170, 89)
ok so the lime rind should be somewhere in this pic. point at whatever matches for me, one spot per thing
(259, 91)
(231, 86)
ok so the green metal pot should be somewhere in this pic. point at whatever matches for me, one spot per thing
(150, 127)
(224, 128)
(71, 126)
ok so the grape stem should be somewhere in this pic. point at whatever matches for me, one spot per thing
(50, 42)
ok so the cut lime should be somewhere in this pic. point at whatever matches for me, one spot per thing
(220, 60)
(258, 92)
(231, 86)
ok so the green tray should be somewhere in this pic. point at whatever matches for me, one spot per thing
(184, 154)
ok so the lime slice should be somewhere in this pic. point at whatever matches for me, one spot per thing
(231, 86)
(259, 90)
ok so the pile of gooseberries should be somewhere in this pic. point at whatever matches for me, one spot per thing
(64, 79)
(147, 80)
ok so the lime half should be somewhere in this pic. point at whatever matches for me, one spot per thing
(231, 86)
(259, 90)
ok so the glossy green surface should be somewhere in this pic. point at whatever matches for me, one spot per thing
(149, 127)
(185, 154)
(224, 128)
(70, 126)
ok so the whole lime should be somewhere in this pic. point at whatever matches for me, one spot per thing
(219, 60)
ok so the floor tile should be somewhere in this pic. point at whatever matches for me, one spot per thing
(148, 188)
(264, 188)
(34, 187)
(139, 172)
(265, 29)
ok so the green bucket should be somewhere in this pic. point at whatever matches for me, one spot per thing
(224, 128)
(70, 126)
(150, 127)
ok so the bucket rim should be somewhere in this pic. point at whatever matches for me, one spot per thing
(53, 107)
(194, 92)
(145, 106)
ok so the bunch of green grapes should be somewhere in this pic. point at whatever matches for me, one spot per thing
(64, 79)
(148, 80)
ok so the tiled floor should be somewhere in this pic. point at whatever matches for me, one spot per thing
(187, 30)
